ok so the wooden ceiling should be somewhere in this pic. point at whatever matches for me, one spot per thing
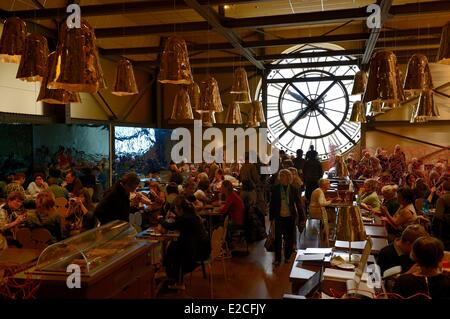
(224, 33)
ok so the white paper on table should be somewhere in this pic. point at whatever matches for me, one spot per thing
(319, 250)
(311, 257)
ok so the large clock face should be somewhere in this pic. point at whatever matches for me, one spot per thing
(308, 106)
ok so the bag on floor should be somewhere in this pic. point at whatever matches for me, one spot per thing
(270, 240)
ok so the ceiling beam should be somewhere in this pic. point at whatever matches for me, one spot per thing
(375, 33)
(151, 29)
(304, 55)
(310, 64)
(396, 44)
(123, 8)
(214, 20)
(222, 69)
(420, 8)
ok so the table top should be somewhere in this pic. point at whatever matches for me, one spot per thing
(378, 244)
(210, 211)
(152, 234)
(375, 231)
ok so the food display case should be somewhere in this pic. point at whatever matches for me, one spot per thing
(111, 262)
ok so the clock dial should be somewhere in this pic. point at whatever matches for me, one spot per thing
(307, 106)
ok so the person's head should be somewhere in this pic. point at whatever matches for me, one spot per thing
(172, 188)
(39, 179)
(227, 187)
(19, 178)
(219, 174)
(15, 200)
(428, 252)
(410, 180)
(324, 184)
(366, 154)
(405, 196)
(203, 185)
(70, 177)
(130, 181)
(85, 197)
(284, 177)
(45, 200)
(202, 177)
(370, 185)
(389, 191)
(182, 206)
(299, 153)
(410, 235)
(397, 148)
(189, 188)
(294, 172)
(173, 166)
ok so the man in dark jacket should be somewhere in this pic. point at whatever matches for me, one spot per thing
(299, 161)
(284, 211)
(312, 173)
(116, 202)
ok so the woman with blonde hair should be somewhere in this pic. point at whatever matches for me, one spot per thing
(296, 180)
(369, 199)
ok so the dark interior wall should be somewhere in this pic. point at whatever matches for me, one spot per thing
(16, 148)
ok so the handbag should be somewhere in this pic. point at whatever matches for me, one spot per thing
(270, 240)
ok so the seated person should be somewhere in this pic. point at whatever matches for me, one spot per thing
(397, 253)
(57, 190)
(202, 191)
(16, 184)
(390, 200)
(38, 185)
(216, 184)
(155, 193)
(192, 246)
(72, 183)
(405, 215)
(189, 191)
(9, 218)
(80, 215)
(426, 277)
(369, 199)
(172, 193)
(234, 208)
(318, 201)
(440, 226)
(175, 174)
(46, 216)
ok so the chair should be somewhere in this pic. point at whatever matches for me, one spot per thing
(38, 238)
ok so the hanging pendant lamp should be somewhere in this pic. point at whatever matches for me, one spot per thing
(376, 108)
(384, 80)
(257, 112)
(77, 65)
(234, 114)
(194, 95)
(33, 64)
(175, 67)
(125, 83)
(443, 55)
(418, 74)
(425, 109)
(210, 96)
(12, 43)
(208, 118)
(359, 83)
(240, 82)
(182, 109)
(57, 96)
(358, 112)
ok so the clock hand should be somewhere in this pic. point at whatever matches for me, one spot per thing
(296, 119)
(298, 97)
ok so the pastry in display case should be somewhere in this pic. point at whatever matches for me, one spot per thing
(110, 259)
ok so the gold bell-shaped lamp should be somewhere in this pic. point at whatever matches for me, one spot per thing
(182, 109)
(175, 67)
(234, 115)
(257, 112)
(210, 100)
(208, 118)
(33, 64)
(418, 75)
(425, 109)
(77, 65)
(443, 55)
(240, 82)
(376, 107)
(350, 226)
(12, 43)
(359, 83)
(194, 95)
(358, 112)
(56, 96)
(383, 82)
(125, 83)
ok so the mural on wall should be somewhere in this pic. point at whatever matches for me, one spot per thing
(143, 150)
(16, 149)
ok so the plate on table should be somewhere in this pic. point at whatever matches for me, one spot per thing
(346, 266)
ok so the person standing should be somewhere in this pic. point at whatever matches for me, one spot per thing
(299, 161)
(397, 164)
(312, 173)
(283, 211)
(440, 226)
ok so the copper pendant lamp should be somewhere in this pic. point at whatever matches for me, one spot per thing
(418, 74)
(175, 67)
(376, 107)
(194, 95)
(358, 112)
(77, 65)
(12, 43)
(443, 55)
(234, 114)
(57, 96)
(208, 119)
(384, 80)
(425, 109)
(210, 96)
(33, 64)
(125, 83)
(257, 112)
(182, 109)
(359, 83)
(240, 82)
